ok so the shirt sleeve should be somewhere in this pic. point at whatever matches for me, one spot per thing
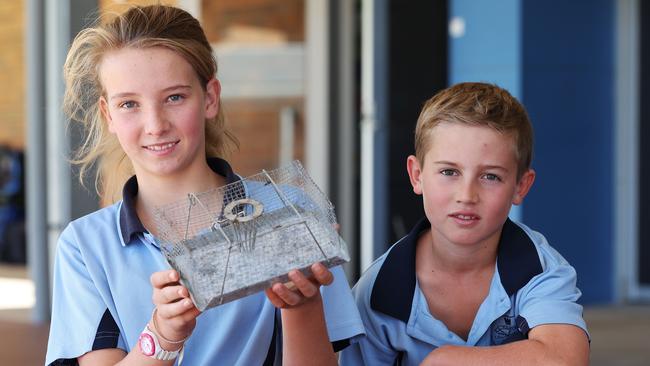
(341, 314)
(551, 297)
(374, 348)
(80, 321)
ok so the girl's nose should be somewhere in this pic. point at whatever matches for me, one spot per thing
(156, 122)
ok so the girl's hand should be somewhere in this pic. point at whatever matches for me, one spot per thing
(175, 316)
(301, 289)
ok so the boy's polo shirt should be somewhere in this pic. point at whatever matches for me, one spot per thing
(102, 295)
(532, 285)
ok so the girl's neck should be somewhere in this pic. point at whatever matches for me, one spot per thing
(155, 191)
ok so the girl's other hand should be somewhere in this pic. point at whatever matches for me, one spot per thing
(301, 289)
(175, 315)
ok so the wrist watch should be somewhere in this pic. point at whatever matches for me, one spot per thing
(150, 347)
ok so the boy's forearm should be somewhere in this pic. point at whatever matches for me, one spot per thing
(304, 334)
(517, 353)
(569, 348)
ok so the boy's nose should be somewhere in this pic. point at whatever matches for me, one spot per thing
(467, 193)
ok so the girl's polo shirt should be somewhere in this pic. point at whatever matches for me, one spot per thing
(102, 296)
(532, 285)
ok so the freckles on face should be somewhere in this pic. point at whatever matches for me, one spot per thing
(472, 165)
(155, 105)
(471, 146)
(468, 177)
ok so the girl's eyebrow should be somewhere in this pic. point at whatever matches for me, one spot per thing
(131, 94)
(180, 86)
(122, 95)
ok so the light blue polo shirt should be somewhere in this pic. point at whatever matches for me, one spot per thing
(102, 296)
(532, 285)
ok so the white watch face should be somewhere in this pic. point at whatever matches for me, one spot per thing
(147, 345)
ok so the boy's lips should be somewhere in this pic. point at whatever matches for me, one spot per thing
(465, 217)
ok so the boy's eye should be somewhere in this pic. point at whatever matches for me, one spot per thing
(175, 98)
(448, 172)
(493, 177)
(128, 104)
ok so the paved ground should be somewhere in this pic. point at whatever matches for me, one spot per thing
(620, 335)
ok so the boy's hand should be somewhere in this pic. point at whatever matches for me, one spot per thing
(175, 315)
(301, 289)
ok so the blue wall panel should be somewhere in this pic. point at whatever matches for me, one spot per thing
(568, 55)
(490, 48)
(557, 58)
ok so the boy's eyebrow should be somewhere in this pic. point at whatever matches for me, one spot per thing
(444, 162)
(483, 167)
(498, 167)
(170, 88)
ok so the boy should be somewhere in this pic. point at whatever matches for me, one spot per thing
(466, 276)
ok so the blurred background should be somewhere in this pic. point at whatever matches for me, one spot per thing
(339, 85)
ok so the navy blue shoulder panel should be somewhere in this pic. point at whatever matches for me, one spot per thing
(107, 333)
(392, 293)
(517, 258)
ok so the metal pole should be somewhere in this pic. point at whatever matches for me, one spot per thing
(37, 249)
(374, 133)
(368, 123)
(57, 22)
(287, 125)
(317, 90)
(347, 135)
(626, 183)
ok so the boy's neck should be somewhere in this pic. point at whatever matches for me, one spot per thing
(458, 259)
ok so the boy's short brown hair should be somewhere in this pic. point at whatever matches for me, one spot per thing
(477, 104)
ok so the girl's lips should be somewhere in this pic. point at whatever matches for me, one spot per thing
(161, 147)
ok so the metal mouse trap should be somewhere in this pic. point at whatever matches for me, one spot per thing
(239, 239)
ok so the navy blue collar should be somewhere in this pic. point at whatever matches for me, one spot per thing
(130, 223)
(392, 293)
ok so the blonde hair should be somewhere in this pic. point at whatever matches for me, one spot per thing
(477, 104)
(138, 27)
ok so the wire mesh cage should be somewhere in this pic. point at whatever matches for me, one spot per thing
(241, 238)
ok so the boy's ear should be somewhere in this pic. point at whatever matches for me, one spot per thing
(103, 107)
(415, 173)
(212, 96)
(523, 186)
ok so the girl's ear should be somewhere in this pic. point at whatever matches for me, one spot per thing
(415, 172)
(212, 96)
(103, 107)
(523, 186)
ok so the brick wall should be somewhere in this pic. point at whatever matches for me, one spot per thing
(12, 74)
(119, 6)
(255, 120)
(284, 18)
(256, 124)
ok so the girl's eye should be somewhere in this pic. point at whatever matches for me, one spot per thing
(449, 172)
(492, 177)
(175, 98)
(128, 104)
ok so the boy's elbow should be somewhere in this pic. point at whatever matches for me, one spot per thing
(570, 354)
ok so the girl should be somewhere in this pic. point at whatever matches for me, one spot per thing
(144, 87)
